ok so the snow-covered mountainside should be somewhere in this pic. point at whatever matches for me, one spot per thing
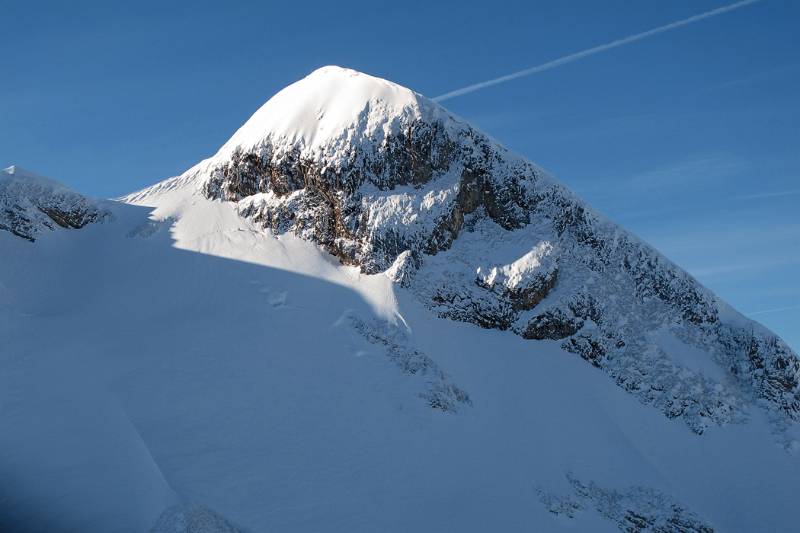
(387, 180)
(362, 314)
(30, 204)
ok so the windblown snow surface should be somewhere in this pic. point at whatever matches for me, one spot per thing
(180, 368)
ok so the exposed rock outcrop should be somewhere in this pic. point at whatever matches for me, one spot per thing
(632, 510)
(30, 204)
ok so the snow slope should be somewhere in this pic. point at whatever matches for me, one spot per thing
(183, 368)
(185, 356)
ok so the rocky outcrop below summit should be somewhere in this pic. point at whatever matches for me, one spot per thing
(340, 204)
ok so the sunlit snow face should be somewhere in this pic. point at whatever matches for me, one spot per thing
(517, 273)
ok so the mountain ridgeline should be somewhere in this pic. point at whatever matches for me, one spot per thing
(30, 204)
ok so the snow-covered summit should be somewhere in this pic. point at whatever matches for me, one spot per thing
(325, 116)
(331, 106)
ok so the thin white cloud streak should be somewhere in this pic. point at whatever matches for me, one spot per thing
(776, 194)
(775, 310)
(594, 50)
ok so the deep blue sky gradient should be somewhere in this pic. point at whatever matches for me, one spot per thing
(691, 139)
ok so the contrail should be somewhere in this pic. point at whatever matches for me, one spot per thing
(775, 310)
(594, 50)
(777, 194)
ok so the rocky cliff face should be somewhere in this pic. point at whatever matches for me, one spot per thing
(30, 204)
(398, 185)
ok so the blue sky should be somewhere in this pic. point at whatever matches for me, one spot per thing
(691, 138)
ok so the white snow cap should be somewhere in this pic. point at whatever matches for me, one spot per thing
(329, 105)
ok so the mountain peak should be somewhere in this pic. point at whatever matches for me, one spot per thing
(331, 104)
(388, 181)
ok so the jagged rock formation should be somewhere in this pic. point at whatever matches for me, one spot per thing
(385, 179)
(633, 510)
(30, 204)
(440, 393)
